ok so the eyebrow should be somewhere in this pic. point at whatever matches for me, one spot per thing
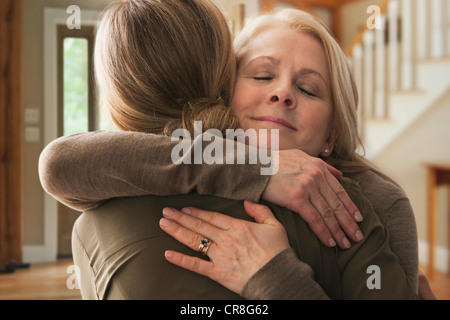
(307, 71)
(302, 72)
(272, 59)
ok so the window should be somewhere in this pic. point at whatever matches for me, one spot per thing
(78, 103)
(75, 86)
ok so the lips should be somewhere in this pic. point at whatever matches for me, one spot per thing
(276, 120)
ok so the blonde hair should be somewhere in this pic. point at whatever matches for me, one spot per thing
(343, 87)
(161, 64)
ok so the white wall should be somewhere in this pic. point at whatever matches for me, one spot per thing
(427, 140)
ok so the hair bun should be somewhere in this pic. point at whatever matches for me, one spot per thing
(213, 113)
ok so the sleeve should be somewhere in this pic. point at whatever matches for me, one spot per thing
(394, 209)
(370, 269)
(84, 170)
(400, 223)
(284, 277)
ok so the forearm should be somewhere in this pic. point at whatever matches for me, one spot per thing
(285, 277)
(84, 170)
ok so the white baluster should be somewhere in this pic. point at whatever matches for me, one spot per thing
(393, 9)
(368, 74)
(447, 26)
(407, 46)
(357, 60)
(437, 28)
(380, 72)
(422, 29)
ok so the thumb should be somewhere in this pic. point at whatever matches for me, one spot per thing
(261, 214)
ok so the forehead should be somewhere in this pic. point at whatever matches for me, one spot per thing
(283, 43)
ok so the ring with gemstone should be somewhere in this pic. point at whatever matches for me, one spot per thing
(204, 246)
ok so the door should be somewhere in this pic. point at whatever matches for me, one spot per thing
(77, 106)
(10, 130)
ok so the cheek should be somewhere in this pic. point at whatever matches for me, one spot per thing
(243, 100)
(315, 129)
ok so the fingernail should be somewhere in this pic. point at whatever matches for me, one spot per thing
(169, 254)
(167, 212)
(332, 242)
(358, 216)
(359, 236)
(346, 243)
(186, 210)
(164, 222)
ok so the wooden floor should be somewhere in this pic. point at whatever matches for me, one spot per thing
(53, 281)
(440, 285)
(41, 281)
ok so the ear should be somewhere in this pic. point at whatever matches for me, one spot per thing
(328, 146)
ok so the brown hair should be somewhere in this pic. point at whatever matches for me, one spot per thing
(161, 64)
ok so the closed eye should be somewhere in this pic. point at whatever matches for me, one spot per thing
(306, 92)
(263, 78)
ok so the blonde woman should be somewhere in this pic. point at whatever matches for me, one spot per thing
(118, 248)
(268, 75)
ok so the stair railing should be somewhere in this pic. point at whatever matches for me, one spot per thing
(384, 54)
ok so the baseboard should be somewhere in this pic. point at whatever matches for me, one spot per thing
(441, 256)
(37, 254)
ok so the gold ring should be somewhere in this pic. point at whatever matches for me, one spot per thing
(204, 246)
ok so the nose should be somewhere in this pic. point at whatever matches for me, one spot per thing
(283, 96)
(287, 102)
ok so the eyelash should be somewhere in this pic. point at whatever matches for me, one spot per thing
(305, 92)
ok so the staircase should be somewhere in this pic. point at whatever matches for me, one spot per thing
(402, 68)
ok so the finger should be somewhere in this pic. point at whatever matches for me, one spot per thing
(191, 223)
(335, 172)
(343, 197)
(216, 219)
(181, 234)
(336, 216)
(260, 213)
(315, 221)
(329, 218)
(194, 264)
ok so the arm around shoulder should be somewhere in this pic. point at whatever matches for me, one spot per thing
(84, 170)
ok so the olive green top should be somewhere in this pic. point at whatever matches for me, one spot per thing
(125, 246)
(84, 170)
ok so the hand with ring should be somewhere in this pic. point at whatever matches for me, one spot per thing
(236, 248)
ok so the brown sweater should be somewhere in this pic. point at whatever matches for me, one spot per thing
(84, 170)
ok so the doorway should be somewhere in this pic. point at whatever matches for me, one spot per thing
(78, 109)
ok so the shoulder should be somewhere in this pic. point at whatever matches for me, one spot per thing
(382, 193)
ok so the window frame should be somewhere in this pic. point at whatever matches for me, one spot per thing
(88, 33)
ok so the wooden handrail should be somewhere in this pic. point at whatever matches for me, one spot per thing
(360, 36)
